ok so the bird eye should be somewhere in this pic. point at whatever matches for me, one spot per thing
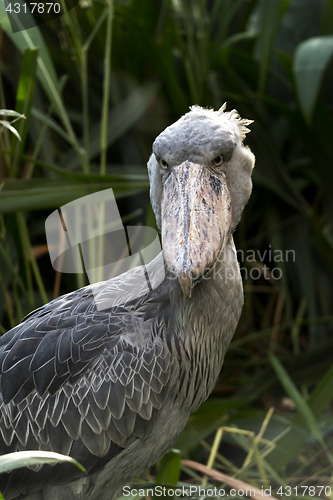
(163, 163)
(218, 160)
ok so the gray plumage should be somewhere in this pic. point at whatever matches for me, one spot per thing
(114, 388)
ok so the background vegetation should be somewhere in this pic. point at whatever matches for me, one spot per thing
(96, 86)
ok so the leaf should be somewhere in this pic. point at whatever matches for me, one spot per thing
(318, 401)
(33, 38)
(270, 12)
(310, 62)
(20, 459)
(322, 394)
(10, 128)
(208, 417)
(120, 119)
(47, 120)
(296, 396)
(287, 65)
(24, 96)
(10, 112)
(34, 194)
(170, 466)
(46, 73)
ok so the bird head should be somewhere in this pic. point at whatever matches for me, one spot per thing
(200, 181)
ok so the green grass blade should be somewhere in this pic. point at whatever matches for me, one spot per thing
(289, 446)
(8, 261)
(270, 19)
(322, 394)
(32, 38)
(34, 194)
(26, 243)
(121, 118)
(20, 459)
(24, 96)
(296, 396)
(106, 86)
(10, 112)
(47, 120)
(170, 467)
(7, 125)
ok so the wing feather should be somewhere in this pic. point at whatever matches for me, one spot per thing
(84, 382)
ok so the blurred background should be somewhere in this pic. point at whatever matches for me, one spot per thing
(96, 86)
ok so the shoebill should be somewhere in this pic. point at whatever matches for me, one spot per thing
(114, 388)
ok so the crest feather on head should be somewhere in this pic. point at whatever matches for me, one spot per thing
(232, 115)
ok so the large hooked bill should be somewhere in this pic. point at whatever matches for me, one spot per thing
(196, 221)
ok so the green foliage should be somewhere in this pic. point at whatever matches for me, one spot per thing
(170, 466)
(26, 458)
(20, 459)
(7, 124)
(310, 62)
(98, 85)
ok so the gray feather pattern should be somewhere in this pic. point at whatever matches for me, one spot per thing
(100, 385)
